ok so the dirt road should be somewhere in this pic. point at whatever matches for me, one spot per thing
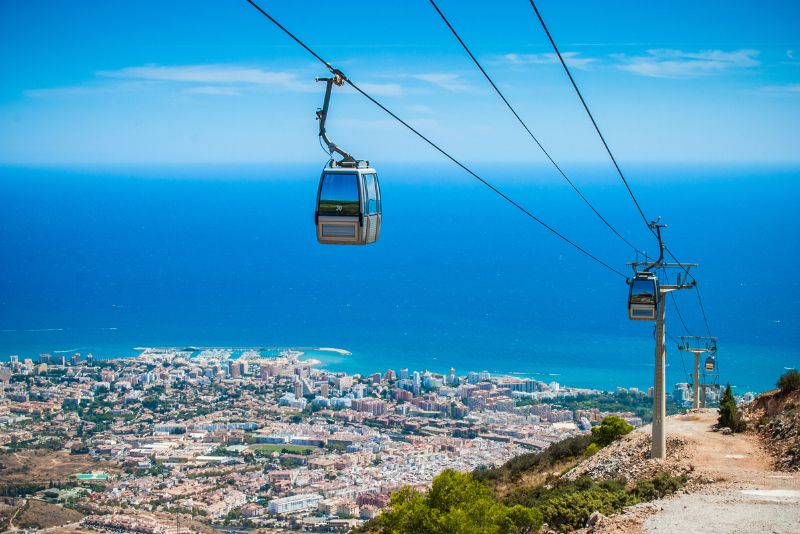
(747, 495)
(735, 491)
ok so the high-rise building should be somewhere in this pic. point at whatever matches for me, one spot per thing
(404, 373)
(402, 395)
(298, 390)
(234, 369)
(682, 393)
(343, 382)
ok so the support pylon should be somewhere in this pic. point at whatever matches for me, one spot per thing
(659, 445)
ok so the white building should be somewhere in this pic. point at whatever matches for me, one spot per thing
(294, 503)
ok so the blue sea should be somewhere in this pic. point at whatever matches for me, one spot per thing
(102, 260)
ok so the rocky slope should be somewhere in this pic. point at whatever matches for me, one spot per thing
(776, 417)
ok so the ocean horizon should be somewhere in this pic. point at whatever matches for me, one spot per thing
(103, 260)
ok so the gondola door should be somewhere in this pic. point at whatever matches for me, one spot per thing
(372, 207)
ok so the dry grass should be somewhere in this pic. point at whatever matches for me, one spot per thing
(38, 515)
(43, 466)
(532, 478)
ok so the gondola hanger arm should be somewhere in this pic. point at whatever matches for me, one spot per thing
(337, 79)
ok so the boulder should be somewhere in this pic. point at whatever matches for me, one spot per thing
(595, 519)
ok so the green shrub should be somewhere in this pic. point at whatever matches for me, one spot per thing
(611, 429)
(459, 504)
(570, 511)
(591, 450)
(657, 487)
(456, 503)
(789, 381)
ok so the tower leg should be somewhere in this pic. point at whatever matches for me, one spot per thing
(696, 388)
(659, 446)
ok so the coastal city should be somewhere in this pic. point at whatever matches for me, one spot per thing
(250, 438)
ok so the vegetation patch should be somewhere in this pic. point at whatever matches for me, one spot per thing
(566, 451)
(611, 429)
(268, 448)
(789, 381)
(503, 499)
(456, 502)
(729, 416)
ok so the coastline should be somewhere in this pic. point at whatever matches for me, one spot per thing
(542, 364)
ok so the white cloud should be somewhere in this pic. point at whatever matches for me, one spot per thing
(212, 74)
(572, 59)
(667, 63)
(791, 88)
(89, 89)
(213, 90)
(211, 79)
(445, 80)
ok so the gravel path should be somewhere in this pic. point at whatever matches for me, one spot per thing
(730, 512)
(733, 487)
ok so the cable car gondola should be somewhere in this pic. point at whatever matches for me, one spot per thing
(711, 363)
(348, 205)
(349, 195)
(643, 297)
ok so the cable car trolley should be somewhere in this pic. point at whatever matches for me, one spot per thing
(643, 296)
(645, 290)
(711, 363)
(348, 208)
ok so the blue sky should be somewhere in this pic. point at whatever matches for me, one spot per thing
(207, 81)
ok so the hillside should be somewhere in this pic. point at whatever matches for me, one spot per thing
(36, 514)
(776, 417)
(710, 480)
(731, 483)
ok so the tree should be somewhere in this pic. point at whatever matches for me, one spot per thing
(457, 504)
(611, 429)
(728, 412)
(789, 381)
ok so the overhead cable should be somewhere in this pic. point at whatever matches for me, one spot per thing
(588, 112)
(527, 129)
(436, 146)
(611, 155)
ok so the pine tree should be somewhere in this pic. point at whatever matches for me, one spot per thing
(728, 412)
